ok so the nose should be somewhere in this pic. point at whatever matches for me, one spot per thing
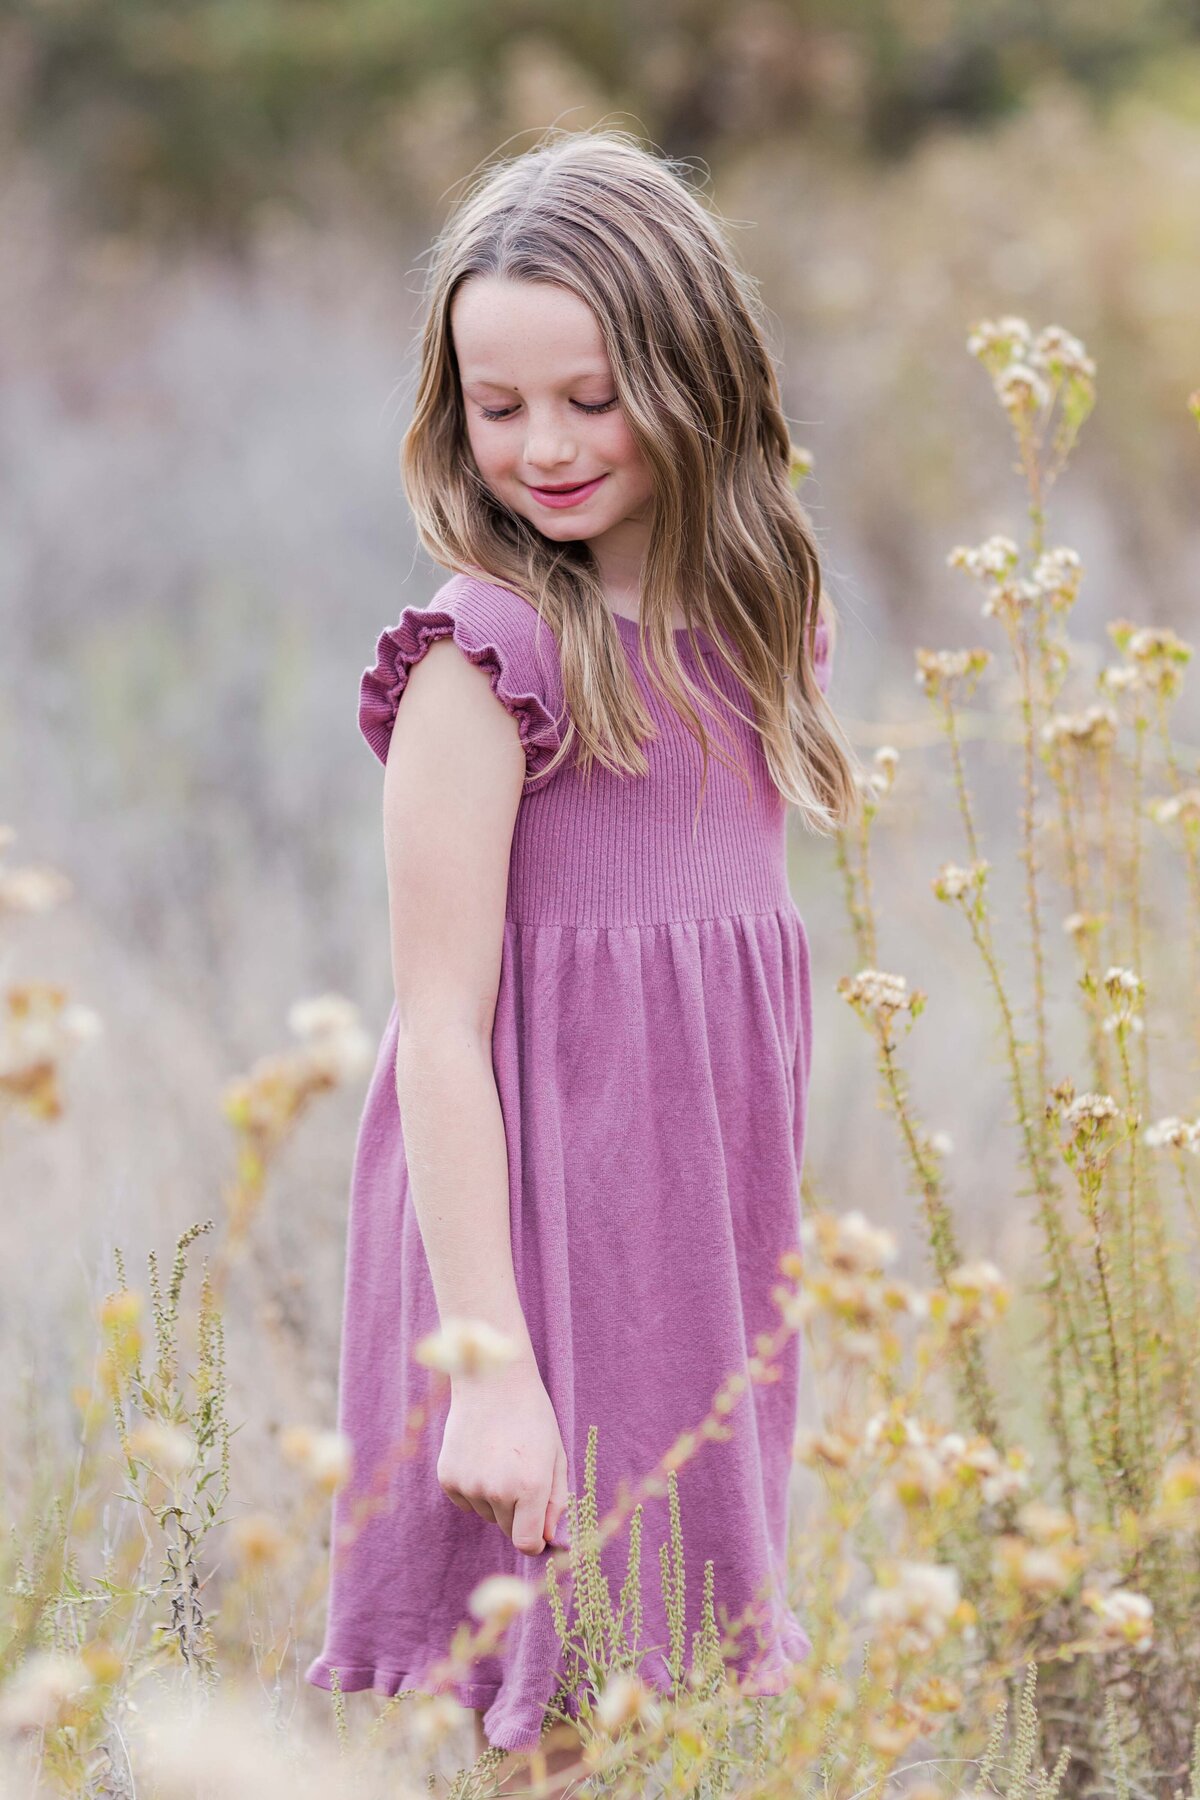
(548, 446)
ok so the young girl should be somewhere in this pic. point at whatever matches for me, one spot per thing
(586, 1123)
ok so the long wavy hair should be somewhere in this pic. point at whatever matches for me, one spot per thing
(730, 543)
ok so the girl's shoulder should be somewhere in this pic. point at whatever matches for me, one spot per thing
(496, 628)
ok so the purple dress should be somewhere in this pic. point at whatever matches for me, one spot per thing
(651, 1045)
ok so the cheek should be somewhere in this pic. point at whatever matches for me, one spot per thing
(621, 450)
(483, 449)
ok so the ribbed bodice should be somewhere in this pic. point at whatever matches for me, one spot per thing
(619, 850)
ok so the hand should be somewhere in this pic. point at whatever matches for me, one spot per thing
(502, 1455)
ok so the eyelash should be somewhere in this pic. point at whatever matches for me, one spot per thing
(504, 411)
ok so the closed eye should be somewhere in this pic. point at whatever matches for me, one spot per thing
(507, 411)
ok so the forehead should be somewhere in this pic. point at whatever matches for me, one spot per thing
(522, 331)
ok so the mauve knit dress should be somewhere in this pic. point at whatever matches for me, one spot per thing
(651, 1046)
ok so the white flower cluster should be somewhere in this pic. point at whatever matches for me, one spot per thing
(334, 1041)
(1095, 727)
(882, 992)
(1125, 989)
(326, 1457)
(1053, 352)
(952, 881)
(499, 1598)
(993, 560)
(34, 887)
(39, 1027)
(1058, 573)
(1119, 677)
(1174, 1134)
(466, 1347)
(1123, 1618)
(1169, 807)
(937, 667)
(1090, 1109)
(40, 1693)
(878, 781)
(917, 1601)
(848, 1242)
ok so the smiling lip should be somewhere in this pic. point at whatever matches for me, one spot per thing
(570, 496)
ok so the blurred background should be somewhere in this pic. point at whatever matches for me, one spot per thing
(213, 218)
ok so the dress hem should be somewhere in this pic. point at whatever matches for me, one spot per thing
(766, 1682)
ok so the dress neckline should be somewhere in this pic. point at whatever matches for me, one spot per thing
(633, 627)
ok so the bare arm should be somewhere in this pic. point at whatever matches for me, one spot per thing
(451, 790)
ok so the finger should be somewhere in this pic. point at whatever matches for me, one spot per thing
(558, 1499)
(528, 1520)
(503, 1514)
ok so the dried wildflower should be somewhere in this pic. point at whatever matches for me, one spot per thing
(167, 1448)
(872, 990)
(1035, 1568)
(328, 1025)
(993, 560)
(466, 1347)
(872, 784)
(887, 758)
(34, 888)
(978, 1280)
(936, 1694)
(896, 1427)
(1021, 390)
(800, 464)
(1125, 989)
(1057, 573)
(1180, 1495)
(1045, 1524)
(953, 882)
(830, 1447)
(259, 1542)
(1149, 643)
(1081, 924)
(1093, 729)
(1156, 652)
(1089, 1111)
(326, 1457)
(916, 1599)
(1124, 1617)
(847, 1242)
(40, 1694)
(38, 1028)
(1165, 809)
(1123, 984)
(625, 1700)
(499, 1598)
(1172, 1133)
(1009, 1480)
(1119, 678)
(938, 670)
(1010, 600)
(921, 1477)
(975, 1294)
(1060, 354)
(184, 1747)
(996, 341)
(433, 1719)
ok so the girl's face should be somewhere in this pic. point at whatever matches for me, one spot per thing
(542, 414)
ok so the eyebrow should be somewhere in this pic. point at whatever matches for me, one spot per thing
(504, 387)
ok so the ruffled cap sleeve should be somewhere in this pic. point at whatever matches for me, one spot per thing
(495, 629)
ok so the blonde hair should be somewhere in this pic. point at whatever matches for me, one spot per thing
(730, 542)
